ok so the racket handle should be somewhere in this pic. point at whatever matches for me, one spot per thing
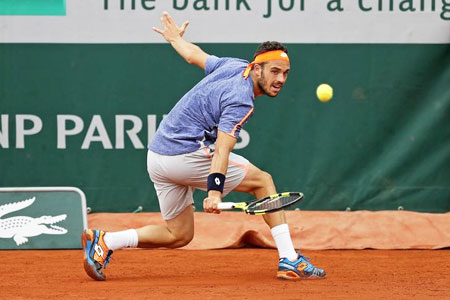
(225, 205)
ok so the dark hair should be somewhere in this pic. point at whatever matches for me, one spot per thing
(269, 46)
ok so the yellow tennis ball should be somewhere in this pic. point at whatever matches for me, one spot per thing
(324, 92)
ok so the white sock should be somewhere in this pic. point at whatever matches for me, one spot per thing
(121, 239)
(283, 240)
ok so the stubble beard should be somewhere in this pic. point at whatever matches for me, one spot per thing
(261, 83)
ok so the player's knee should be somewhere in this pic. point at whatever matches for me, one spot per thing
(266, 179)
(182, 240)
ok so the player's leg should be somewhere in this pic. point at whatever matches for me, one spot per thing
(260, 184)
(175, 203)
(99, 245)
(178, 232)
(176, 207)
(291, 265)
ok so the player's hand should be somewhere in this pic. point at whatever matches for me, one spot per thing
(171, 31)
(210, 203)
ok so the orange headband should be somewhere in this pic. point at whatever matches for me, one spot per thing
(266, 56)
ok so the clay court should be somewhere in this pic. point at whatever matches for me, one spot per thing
(226, 274)
(239, 261)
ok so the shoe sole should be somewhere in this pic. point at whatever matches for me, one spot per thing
(91, 270)
(289, 275)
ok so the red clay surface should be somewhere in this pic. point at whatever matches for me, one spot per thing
(226, 274)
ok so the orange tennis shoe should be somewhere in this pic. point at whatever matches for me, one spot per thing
(96, 253)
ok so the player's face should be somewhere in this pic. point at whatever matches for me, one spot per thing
(273, 76)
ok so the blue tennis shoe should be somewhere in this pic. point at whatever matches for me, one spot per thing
(299, 269)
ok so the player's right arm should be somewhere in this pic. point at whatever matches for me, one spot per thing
(193, 54)
(219, 164)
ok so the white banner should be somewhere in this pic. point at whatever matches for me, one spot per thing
(238, 21)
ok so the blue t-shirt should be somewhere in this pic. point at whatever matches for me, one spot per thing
(222, 100)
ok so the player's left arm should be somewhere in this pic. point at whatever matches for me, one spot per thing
(224, 145)
(192, 53)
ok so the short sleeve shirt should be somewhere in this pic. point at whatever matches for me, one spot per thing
(222, 100)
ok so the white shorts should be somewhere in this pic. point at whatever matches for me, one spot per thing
(176, 177)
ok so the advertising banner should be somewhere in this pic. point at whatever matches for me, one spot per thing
(84, 85)
(231, 21)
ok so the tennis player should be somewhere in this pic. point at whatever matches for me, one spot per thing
(180, 158)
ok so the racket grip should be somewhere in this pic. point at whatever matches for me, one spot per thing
(225, 205)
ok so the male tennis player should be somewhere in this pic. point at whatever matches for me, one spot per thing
(180, 160)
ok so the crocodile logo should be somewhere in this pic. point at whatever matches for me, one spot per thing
(21, 227)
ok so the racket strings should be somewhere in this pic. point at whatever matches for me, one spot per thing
(275, 203)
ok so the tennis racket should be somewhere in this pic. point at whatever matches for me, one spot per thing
(266, 205)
